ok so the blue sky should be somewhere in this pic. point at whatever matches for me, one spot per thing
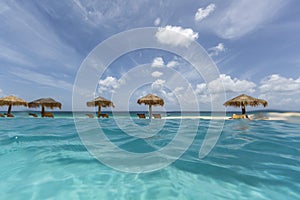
(254, 43)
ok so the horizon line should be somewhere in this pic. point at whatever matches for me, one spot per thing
(262, 110)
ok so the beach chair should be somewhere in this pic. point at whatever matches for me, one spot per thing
(33, 114)
(1, 115)
(156, 116)
(47, 114)
(104, 115)
(141, 116)
(90, 115)
(10, 115)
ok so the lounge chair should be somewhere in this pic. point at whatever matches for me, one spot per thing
(10, 115)
(47, 114)
(156, 116)
(90, 115)
(235, 116)
(104, 115)
(33, 114)
(141, 116)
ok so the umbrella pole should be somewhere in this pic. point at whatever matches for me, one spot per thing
(243, 110)
(43, 111)
(150, 111)
(99, 111)
(9, 109)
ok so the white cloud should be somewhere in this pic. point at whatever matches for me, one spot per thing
(172, 63)
(231, 85)
(156, 74)
(202, 93)
(201, 88)
(213, 90)
(157, 21)
(228, 84)
(176, 36)
(177, 90)
(158, 84)
(278, 84)
(204, 12)
(108, 84)
(169, 96)
(158, 62)
(277, 90)
(214, 51)
(242, 17)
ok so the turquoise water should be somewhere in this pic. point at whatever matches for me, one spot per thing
(45, 159)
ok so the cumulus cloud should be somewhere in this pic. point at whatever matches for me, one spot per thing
(214, 51)
(157, 21)
(156, 74)
(158, 62)
(278, 84)
(176, 36)
(204, 12)
(201, 88)
(280, 91)
(158, 84)
(169, 96)
(172, 63)
(213, 90)
(231, 85)
(177, 90)
(108, 84)
(202, 93)
(228, 84)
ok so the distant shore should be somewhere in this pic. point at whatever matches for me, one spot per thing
(205, 115)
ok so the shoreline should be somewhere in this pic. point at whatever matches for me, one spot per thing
(269, 116)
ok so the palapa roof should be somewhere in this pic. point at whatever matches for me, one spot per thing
(246, 101)
(12, 100)
(46, 102)
(151, 99)
(100, 101)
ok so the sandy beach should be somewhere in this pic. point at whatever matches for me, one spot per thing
(268, 116)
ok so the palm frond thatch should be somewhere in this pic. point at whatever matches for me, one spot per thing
(151, 99)
(12, 100)
(245, 100)
(45, 102)
(100, 101)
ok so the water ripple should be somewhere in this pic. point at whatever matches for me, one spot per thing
(260, 158)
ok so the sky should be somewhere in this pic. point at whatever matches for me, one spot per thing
(253, 43)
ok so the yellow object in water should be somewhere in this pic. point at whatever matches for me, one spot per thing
(235, 116)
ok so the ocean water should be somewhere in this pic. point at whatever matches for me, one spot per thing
(46, 159)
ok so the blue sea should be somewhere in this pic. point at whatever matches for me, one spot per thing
(46, 159)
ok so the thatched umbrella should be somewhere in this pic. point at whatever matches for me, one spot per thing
(151, 100)
(12, 101)
(100, 102)
(245, 100)
(44, 102)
